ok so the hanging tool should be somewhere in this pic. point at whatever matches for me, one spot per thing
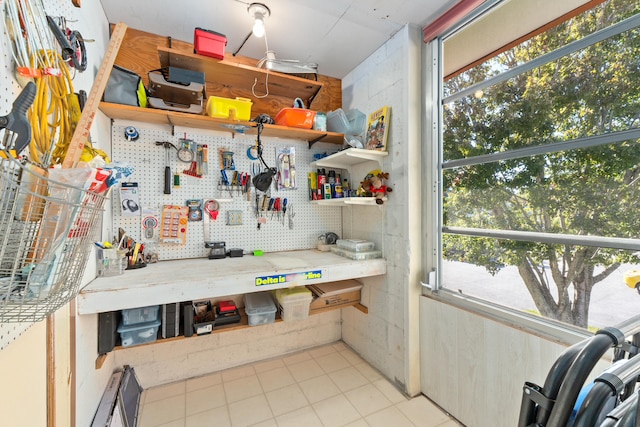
(205, 159)
(244, 181)
(15, 123)
(234, 182)
(263, 180)
(263, 208)
(284, 209)
(276, 208)
(226, 182)
(292, 214)
(71, 42)
(272, 202)
(167, 166)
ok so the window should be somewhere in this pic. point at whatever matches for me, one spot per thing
(541, 172)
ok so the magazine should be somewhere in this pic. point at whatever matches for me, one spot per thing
(377, 129)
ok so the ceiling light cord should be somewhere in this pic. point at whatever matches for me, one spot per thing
(266, 78)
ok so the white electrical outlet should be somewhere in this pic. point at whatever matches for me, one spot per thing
(234, 217)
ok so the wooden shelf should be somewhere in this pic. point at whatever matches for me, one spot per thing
(243, 324)
(228, 73)
(353, 156)
(176, 118)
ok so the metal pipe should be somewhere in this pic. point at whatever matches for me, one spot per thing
(630, 326)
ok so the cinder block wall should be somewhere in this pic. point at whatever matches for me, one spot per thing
(170, 361)
(387, 335)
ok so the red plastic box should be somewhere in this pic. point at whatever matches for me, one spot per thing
(209, 43)
(295, 118)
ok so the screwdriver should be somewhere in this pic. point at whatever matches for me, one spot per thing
(271, 202)
(276, 207)
(284, 209)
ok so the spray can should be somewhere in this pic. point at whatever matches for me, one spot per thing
(322, 180)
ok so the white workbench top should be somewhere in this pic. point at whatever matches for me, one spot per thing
(201, 278)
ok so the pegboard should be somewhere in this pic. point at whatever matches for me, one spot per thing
(148, 160)
(9, 90)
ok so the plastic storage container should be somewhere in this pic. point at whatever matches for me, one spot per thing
(260, 308)
(355, 245)
(110, 262)
(133, 316)
(352, 122)
(209, 43)
(295, 118)
(141, 333)
(358, 256)
(294, 303)
(227, 108)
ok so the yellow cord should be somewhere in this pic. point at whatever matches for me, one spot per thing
(53, 121)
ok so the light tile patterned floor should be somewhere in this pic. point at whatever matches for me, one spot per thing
(328, 386)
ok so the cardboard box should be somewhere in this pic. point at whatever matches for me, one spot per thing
(335, 294)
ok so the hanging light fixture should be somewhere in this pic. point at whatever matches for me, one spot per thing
(259, 11)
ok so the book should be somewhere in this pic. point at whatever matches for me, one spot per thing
(378, 129)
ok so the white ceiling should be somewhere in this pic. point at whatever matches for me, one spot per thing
(335, 34)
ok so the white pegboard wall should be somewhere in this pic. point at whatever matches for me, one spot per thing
(9, 90)
(148, 160)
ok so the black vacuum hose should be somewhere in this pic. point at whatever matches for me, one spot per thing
(576, 376)
(555, 377)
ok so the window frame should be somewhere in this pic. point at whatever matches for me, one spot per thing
(434, 102)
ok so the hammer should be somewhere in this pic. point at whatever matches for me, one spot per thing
(167, 168)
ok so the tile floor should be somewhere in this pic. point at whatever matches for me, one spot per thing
(327, 386)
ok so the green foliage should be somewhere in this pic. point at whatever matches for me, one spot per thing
(591, 191)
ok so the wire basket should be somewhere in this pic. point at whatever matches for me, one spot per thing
(46, 231)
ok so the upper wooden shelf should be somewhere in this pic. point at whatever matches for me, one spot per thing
(228, 73)
(176, 118)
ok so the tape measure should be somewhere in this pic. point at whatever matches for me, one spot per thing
(131, 133)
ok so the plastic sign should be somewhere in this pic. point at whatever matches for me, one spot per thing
(277, 279)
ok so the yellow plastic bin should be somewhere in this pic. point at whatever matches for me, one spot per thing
(227, 108)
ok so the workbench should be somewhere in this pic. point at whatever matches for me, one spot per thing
(201, 278)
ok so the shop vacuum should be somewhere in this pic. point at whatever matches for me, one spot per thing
(610, 400)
